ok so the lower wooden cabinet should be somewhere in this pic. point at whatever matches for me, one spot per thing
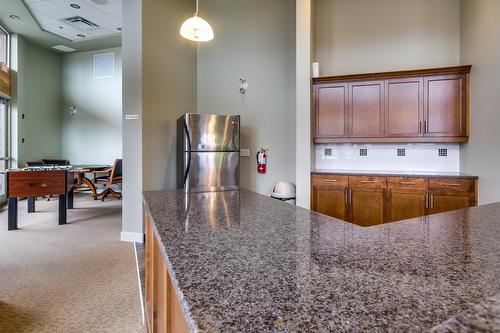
(406, 198)
(368, 201)
(451, 194)
(330, 196)
(163, 309)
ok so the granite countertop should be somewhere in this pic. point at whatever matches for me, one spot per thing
(242, 262)
(395, 173)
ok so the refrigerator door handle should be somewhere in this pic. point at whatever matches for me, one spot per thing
(186, 172)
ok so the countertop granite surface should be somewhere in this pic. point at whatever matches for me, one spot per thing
(242, 262)
(430, 174)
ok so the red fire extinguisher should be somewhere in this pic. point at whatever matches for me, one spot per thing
(261, 161)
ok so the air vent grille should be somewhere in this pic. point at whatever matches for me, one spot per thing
(328, 151)
(363, 152)
(401, 152)
(81, 23)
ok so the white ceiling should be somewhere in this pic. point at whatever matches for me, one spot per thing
(50, 14)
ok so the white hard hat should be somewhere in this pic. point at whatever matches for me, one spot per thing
(283, 190)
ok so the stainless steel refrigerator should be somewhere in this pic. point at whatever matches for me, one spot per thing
(208, 152)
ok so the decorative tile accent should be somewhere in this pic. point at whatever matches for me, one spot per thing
(388, 157)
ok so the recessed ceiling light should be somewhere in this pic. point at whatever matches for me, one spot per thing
(80, 35)
(100, 2)
(15, 17)
(74, 5)
(119, 29)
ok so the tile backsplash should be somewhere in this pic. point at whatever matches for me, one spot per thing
(389, 157)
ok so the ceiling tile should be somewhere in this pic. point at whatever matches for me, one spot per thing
(85, 8)
(50, 9)
(50, 13)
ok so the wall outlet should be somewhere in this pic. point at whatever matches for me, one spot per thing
(244, 152)
(131, 116)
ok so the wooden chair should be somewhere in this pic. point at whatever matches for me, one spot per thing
(109, 177)
(34, 164)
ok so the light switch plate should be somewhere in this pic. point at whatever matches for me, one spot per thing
(131, 116)
(244, 152)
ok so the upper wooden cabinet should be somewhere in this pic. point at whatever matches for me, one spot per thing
(332, 112)
(366, 109)
(408, 106)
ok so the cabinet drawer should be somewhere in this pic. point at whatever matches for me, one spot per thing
(367, 182)
(331, 180)
(451, 185)
(407, 183)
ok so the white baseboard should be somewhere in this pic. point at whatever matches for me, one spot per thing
(132, 237)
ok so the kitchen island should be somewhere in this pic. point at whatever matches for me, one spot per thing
(242, 262)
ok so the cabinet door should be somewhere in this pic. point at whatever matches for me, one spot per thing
(366, 200)
(366, 109)
(444, 202)
(367, 206)
(450, 194)
(406, 198)
(330, 200)
(404, 103)
(405, 205)
(445, 106)
(330, 102)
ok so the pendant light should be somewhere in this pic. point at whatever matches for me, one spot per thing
(197, 29)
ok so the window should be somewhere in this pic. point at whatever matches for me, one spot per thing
(4, 46)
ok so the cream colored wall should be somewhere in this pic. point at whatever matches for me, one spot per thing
(168, 87)
(355, 36)
(253, 40)
(480, 46)
(94, 134)
(37, 95)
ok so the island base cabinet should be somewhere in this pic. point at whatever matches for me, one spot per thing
(163, 309)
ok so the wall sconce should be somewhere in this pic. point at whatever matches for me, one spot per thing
(73, 111)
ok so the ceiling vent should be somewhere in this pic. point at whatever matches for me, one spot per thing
(80, 23)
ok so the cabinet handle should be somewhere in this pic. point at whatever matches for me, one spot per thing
(420, 127)
(432, 201)
(451, 184)
(427, 200)
(350, 197)
(426, 127)
(329, 180)
(346, 196)
(407, 183)
(367, 181)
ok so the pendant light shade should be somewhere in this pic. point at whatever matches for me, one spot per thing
(197, 29)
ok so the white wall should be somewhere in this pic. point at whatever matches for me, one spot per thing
(254, 40)
(356, 36)
(480, 46)
(304, 149)
(132, 226)
(94, 134)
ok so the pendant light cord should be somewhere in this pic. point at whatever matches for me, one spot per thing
(196, 14)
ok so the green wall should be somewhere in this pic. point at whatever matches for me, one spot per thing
(94, 134)
(37, 77)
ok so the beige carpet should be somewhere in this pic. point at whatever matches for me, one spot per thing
(77, 277)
